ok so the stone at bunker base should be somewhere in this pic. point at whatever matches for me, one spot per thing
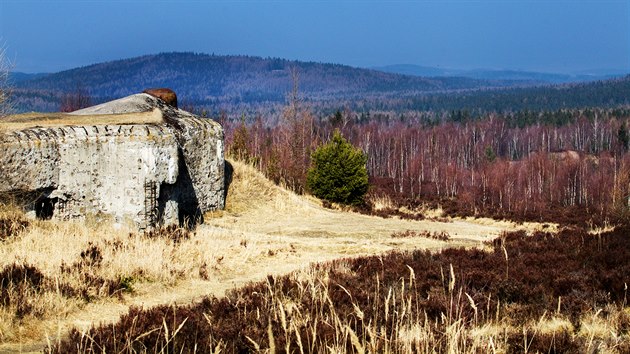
(137, 160)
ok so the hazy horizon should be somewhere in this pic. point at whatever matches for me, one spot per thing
(553, 36)
(594, 71)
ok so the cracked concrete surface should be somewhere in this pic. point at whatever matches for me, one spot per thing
(106, 161)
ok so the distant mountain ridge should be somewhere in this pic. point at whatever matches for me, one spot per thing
(488, 74)
(248, 85)
(16, 76)
(207, 79)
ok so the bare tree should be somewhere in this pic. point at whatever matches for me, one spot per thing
(5, 89)
(77, 99)
(298, 135)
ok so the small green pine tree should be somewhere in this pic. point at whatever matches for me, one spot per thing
(338, 172)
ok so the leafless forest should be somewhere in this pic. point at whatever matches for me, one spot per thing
(557, 166)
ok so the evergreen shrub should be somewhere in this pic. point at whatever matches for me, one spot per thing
(338, 172)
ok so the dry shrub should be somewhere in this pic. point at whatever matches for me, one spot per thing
(12, 223)
(71, 264)
(442, 236)
(164, 328)
(385, 206)
(18, 285)
(24, 287)
(532, 342)
(87, 281)
(170, 232)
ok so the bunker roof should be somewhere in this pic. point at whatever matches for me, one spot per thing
(45, 120)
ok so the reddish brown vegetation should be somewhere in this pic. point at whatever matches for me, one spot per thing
(17, 283)
(78, 99)
(23, 286)
(170, 232)
(442, 236)
(528, 275)
(91, 285)
(483, 167)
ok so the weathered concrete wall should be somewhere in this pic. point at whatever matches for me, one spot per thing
(107, 172)
(201, 182)
(201, 142)
(29, 159)
(142, 173)
(92, 169)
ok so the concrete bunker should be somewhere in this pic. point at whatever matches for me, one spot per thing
(136, 159)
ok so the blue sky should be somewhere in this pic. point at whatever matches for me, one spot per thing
(538, 35)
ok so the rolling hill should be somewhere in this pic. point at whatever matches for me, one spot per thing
(253, 85)
(208, 79)
(531, 77)
(16, 76)
(612, 93)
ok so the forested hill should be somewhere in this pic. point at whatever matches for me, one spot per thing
(612, 93)
(498, 74)
(254, 85)
(205, 79)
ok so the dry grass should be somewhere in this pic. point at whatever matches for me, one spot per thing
(257, 206)
(32, 120)
(396, 324)
(100, 263)
(381, 202)
(605, 329)
(264, 230)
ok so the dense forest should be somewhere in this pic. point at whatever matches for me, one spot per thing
(610, 93)
(254, 85)
(496, 74)
(210, 79)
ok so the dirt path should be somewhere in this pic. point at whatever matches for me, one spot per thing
(274, 232)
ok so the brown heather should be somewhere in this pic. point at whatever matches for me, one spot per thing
(62, 275)
(560, 293)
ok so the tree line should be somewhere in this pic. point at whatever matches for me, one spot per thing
(488, 166)
(251, 85)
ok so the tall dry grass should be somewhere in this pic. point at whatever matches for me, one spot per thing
(561, 293)
(264, 230)
(316, 314)
(250, 191)
(79, 263)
